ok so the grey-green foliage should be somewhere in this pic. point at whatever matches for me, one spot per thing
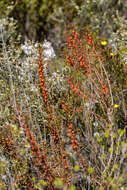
(39, 19)
(35, 17)
(102, 15)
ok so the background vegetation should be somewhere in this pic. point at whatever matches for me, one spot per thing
(63, 111)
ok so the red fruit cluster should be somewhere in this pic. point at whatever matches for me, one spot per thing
(89, 39)
(70, 61)
(72, 41)
(41, 76)
(65, 108)
(80, 56)
(104, 89)
(71, 135)
(66, 162)
(55, 135)
(39, 157)
(77, 57)
(7, 141)
(76, 89)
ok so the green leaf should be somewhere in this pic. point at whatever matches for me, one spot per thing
(91, 170)
(42, 182)
(105, 175)
(58, 183)
(99, 139)
(123, 144)
(101, 188)
(115, 166)
(106, 134)
(76, 168)
(121, 132)
(110, 149)
(72, 187)
(36, 186)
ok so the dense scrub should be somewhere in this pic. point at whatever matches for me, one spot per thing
(63, 120)
(40, 19)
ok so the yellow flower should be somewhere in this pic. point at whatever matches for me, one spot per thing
(76, 168)
(116, 106)
(103, 43)
(111, 54)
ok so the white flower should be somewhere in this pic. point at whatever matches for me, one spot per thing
(95, 124)
(54, 74)
(27, 48)
(96, 134)
(48, 51)
(46, 44)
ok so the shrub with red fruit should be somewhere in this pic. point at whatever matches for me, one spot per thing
(70, 130)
